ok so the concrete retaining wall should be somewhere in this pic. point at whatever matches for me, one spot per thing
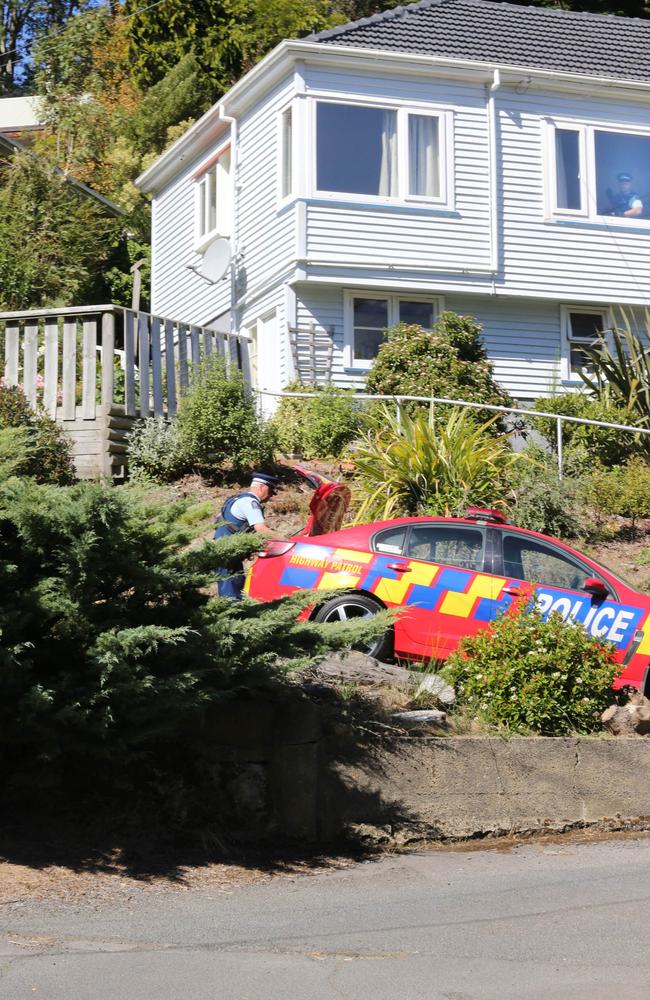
(291, 770)
(462, 787)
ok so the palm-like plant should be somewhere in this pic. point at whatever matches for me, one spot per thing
(622, 372)
(415, 465)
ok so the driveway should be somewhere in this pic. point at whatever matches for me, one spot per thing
(551, 921)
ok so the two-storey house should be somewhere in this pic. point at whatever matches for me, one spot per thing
(470, 155)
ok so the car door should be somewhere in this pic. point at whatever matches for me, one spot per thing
(444, 585)
(557, 578)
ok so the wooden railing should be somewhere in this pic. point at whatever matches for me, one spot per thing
(96, 368)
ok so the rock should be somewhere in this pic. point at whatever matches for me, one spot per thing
(431, 720)
(631, 719)
(366, 671)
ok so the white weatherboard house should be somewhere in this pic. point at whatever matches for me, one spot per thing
(453, 154)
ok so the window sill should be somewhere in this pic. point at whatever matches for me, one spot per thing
(202, 245)
(356, 370)
(605, 223)
(572, 382)
(414, 208)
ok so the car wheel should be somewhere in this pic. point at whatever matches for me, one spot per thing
(347, 606)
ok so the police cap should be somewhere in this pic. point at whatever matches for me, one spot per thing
(624, 177)
(264, 479)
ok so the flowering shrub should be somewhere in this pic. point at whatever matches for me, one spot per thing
(527, 675)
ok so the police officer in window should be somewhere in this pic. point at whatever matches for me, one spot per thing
(241, 513)
(625, 201)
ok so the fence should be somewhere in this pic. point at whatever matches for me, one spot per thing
(95, 368)
(432, 401)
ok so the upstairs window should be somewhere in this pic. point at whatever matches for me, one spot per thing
(213, 199)
(388, 154)
(600, 174)
(369, 314)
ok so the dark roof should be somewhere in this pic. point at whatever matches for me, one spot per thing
(506, 33)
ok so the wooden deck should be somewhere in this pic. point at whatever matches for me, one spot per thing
(96, 369)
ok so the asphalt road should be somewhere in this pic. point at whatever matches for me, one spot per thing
(550, 921)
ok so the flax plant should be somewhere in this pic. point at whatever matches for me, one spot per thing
(417, 465)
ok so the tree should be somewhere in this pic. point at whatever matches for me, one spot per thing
(21, 21)
(54, 240)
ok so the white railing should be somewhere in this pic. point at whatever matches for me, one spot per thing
(434, 400)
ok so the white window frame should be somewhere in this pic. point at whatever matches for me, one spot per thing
(205, 176)
(565, 326)
(444, 201)
(286, 157)
(588, 182)
(393, 298)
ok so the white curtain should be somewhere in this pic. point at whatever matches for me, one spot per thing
(424, 156)
(388, 168)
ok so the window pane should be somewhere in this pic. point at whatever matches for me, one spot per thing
(567, 166)
(356, 149)
(424, 156)
(223, 195)
(447, 546)
(391, 540)
(287, 139)
(371, 312)
(202, 206)
(586, 326)
(622, 174)
(212, 200)
(367, 343)
(416, 312)
(527, 560)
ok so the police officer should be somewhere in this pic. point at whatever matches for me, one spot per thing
(625, 201)
(241, 513)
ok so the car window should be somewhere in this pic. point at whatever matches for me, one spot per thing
(391, 540)
(451, 545)
(534, 562)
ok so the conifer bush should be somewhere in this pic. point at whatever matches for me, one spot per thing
(48, 459)
(527, 675)
(111, 643)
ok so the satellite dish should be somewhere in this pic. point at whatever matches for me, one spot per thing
(216, 260)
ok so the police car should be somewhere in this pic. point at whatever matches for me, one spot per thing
(450, 577)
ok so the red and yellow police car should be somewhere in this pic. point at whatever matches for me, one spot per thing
(449, 577)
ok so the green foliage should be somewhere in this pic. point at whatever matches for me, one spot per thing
(155, 450)
(604, 445)
(527, 675)
(218, 422)
(54, 241)
(415, 466)
(320, 427)
(111, 646)
(544, 503)
(14, 450)
(448, 362)
(623, 491)
(45, 453)
(622, 373)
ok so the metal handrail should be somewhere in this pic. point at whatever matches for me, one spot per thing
(559, 418)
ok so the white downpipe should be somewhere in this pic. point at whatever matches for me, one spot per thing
(493, 148)
(234, 170)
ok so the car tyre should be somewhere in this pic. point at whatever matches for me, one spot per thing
(348, 606)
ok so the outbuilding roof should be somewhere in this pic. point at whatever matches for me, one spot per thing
(600, 45)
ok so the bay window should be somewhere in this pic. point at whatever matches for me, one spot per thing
(388, 154)
(599, 173)
(369, 314)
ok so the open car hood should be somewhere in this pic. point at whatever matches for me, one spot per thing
(328, 505)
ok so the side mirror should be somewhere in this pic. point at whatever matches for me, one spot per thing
(595, 587)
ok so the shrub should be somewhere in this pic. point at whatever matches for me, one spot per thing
(544, 503)
(528, 675)
(604, 445)
(49, 457)
(218, 421)
(320, 427)
(155, 450)
(111, 648)
(416, 466)
(449, 362)
(622, 491)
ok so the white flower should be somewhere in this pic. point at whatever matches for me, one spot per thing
(556, 673)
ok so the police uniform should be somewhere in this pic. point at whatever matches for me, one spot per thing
(239, 514)
(623, 201)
